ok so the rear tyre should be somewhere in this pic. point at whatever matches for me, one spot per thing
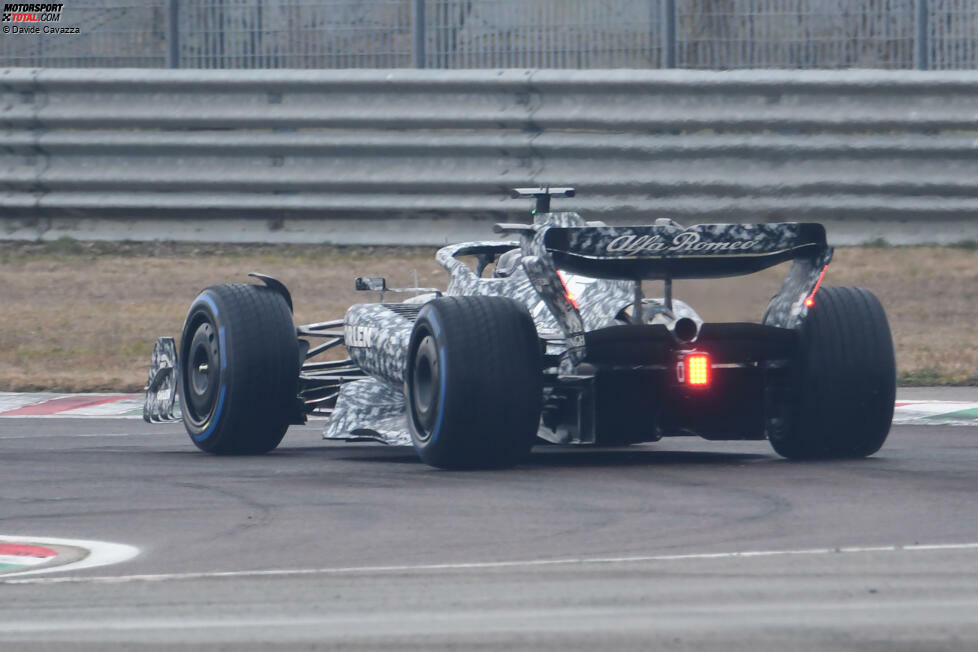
(473, 383)
(239, 369)
(847, 380)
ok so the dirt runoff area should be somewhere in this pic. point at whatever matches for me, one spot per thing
(79, 317)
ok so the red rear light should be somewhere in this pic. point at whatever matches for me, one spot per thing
(698, 370)
(810, 299)
(694, 369)
(567, 291)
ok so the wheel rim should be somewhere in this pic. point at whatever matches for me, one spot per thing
(202, 373)
(426, 387)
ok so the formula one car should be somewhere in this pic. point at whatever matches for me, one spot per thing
(557, 344)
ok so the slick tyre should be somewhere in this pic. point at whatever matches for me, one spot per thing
(239, 369)
(473, 383)
(847, 379)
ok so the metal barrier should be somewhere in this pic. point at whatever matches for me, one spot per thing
(360, 151)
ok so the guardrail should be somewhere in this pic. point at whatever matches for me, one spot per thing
(371, 156)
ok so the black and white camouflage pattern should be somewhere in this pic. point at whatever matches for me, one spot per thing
(600, 300)
(369, 408)
(161, 386)
(551, 289)
(377, 335)
(376, 338)
(373, 409)
(787, 308)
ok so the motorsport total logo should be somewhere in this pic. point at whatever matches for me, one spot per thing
(34, 18)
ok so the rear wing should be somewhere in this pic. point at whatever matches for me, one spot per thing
(562, 241)
(673, 252)
(668, 251)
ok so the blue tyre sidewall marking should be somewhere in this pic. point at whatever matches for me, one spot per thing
(206, 299)
(221, 339)
(443, 382)
(217, 416)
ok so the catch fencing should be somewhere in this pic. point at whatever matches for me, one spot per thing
(363, 150)
(466, 34)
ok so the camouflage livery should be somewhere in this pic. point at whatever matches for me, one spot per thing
(161, 387)
(787, 308)
(376, 337)
(377, 334)
(369, 409)
(582, 297)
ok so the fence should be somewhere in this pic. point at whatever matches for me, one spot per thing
(369, 155)
(463, 34)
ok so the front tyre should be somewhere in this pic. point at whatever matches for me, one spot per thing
(239, 369)
(847, 381)
(473, 382)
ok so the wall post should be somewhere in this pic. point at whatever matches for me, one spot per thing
(418, 34)
(921, 59)
(172, 33)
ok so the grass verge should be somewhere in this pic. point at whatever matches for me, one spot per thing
(78, 316)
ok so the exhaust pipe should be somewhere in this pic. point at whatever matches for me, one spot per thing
(685, 330)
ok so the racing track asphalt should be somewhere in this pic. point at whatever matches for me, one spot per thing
(352, 532)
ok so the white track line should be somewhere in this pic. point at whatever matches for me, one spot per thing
(164, 577)
(100, 553)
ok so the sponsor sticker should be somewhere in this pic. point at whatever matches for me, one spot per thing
(360, 336)
(630, 244)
